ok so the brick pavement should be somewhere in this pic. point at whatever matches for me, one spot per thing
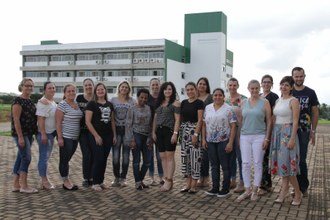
(128, 203)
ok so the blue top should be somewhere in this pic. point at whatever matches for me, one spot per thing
(253, 118)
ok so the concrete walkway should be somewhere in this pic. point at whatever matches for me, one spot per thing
(4, 126)
(128, 203)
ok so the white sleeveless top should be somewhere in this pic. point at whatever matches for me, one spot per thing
(282, 111)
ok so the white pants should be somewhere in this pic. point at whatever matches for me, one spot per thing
(251, 145)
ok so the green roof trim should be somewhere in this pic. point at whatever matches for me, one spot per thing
(49, 42)
(229, 58)
(174, 52)
(203, 23)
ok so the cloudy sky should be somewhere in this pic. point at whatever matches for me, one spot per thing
(267, 37)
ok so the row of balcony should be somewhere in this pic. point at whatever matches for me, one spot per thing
(96, 62)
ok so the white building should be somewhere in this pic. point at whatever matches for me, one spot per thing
(204, 54)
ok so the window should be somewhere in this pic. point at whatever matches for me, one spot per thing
(59, 89)
(62, 58)
(117, 56)
(35, 74)
(36, 59)
(118, 73)
(111, 90)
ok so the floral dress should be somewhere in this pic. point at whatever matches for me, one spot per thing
(283, 161)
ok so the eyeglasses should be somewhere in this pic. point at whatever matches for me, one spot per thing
(267, 82)
(30, 86)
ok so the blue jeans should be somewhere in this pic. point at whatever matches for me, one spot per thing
(87, 156)
(45, 150)
(23, 158)
(100, 156)
(66, 153)
(302, 178)
(116, 151)
(152, 163)
(236, 157)
(219, 157)
(141, 146)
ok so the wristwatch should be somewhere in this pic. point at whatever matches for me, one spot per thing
(196, 134)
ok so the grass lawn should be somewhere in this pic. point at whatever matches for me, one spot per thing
(5, 112)
(324, 122)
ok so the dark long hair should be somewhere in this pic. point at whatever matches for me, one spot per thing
(161, 96)
(208, 89)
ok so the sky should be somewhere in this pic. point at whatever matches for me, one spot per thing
(267, 37)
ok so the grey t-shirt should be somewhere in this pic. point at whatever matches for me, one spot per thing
(121, 110)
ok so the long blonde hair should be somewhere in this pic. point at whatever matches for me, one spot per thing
(129, 95)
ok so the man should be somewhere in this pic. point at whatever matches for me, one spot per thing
(309, 114)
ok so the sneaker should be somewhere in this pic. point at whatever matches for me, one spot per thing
(153, 183)
(85, 183)
(144, 185)
(212, 192)
(103, 186)
(138, 186)
(115, 183)
(97, 187)
(254, 196)
(123, 182)
(223, 193)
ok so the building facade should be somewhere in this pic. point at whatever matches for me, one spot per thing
(204, 53)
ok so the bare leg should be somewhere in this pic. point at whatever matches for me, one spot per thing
(297, 195)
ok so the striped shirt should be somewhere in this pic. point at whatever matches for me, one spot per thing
(71, 120)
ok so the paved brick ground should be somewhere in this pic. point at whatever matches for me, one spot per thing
(128, 203)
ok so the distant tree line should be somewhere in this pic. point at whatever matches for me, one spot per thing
(7, 99)
(324, 111)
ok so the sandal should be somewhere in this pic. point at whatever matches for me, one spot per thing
(243, 196)
(166, 189)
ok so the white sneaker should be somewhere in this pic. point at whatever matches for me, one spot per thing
(123, 182)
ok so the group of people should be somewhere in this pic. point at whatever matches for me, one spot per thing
(265, 130)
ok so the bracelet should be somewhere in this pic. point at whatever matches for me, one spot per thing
(175, 132)
(196, 134)
(313, 131)
(267, 140)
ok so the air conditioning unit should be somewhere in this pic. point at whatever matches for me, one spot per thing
(140, 60)
(106, 61)
(146, 60)
(128, 78)
(159, 60)
(70, 62)
(152, 60)
(135, 60)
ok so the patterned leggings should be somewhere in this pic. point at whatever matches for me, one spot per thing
(191, 156)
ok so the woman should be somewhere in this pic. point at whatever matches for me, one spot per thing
(255, 135)
(67, 116)
(121, 104)
(101, 125)
(165, 130)
(85, 145)
(203, 87)
(235, 100)
(266, 181)
(284, 150)
(154, 91)
(219, 129)
(138, 137)
(23, 127)
(46, 108)
(192, 110)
